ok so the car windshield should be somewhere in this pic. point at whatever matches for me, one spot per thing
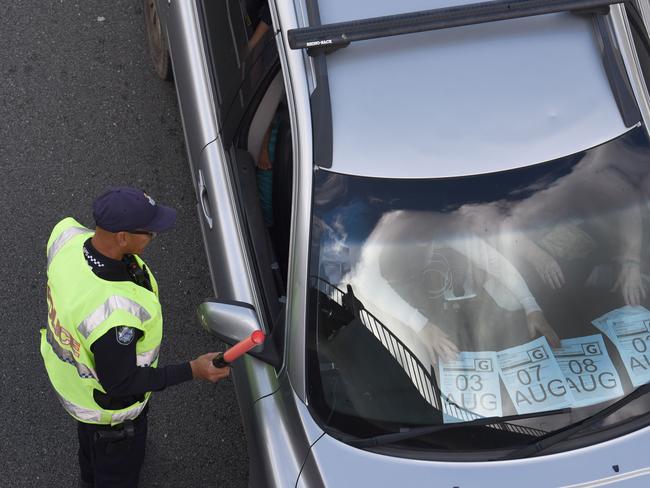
(509, 294)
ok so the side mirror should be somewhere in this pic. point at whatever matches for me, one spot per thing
(232, 322)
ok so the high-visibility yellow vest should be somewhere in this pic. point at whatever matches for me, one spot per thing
(81, 308)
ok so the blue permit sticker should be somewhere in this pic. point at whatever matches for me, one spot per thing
(470, 387)
(533, 378)
(631, 336)
(588, 370)
(602, 322)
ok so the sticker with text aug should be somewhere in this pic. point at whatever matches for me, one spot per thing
(631, 336)
(533, 378)
(588, 370)
(470, 387)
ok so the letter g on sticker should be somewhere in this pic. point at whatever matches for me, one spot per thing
(537, 354)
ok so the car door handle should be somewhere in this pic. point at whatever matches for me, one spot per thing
(205, 200)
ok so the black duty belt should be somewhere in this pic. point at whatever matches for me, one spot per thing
(118, 437)
(125, 430)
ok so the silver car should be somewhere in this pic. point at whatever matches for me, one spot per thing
(439, 213)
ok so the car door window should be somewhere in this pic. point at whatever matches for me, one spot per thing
(242, 51)
(249, 88)
(225, 39)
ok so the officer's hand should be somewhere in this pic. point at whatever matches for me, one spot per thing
(203, 369)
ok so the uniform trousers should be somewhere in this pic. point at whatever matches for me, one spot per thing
(107, 462)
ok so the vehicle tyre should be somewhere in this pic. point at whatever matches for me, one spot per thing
(157, 41)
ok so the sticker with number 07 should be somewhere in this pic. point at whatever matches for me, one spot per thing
(533, 378)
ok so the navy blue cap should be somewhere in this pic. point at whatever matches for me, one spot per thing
(123, 208)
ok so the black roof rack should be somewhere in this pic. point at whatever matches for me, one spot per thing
(321, 106)
(327, 38)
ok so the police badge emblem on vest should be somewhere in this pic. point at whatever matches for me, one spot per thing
(125, 335)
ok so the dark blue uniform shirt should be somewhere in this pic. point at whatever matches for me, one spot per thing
(115, 354)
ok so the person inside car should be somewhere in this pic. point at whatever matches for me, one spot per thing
(422, 267)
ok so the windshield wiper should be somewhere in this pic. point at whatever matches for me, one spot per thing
(393, 437)
(543, 443)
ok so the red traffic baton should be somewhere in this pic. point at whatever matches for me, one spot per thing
(224, 359)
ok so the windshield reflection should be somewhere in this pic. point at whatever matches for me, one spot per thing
(535, 275)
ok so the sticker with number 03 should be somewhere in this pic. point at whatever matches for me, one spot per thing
(470, 387)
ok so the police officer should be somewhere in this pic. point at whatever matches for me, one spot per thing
(104, 332)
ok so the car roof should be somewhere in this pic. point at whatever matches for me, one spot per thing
(467, 100)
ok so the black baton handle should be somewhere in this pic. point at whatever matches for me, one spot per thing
(219, 361)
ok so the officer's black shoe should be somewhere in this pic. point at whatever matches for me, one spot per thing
(86, 484)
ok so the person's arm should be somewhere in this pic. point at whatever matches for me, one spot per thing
(628, 230)
(624, 228)
(262, 27)
(264, 159)
(118, 372)
(546, 265)
(380, 270)
(381, 267)
(487, 258)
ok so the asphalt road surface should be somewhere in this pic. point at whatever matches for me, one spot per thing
(80, 110)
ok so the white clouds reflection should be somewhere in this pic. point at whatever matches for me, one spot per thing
(493, 251)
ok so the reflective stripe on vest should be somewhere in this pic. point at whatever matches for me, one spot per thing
(89, 415)
(67, 357)
(145, 359)
(101, 313)
(81, 413)
(130, 414)
(60, 241)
